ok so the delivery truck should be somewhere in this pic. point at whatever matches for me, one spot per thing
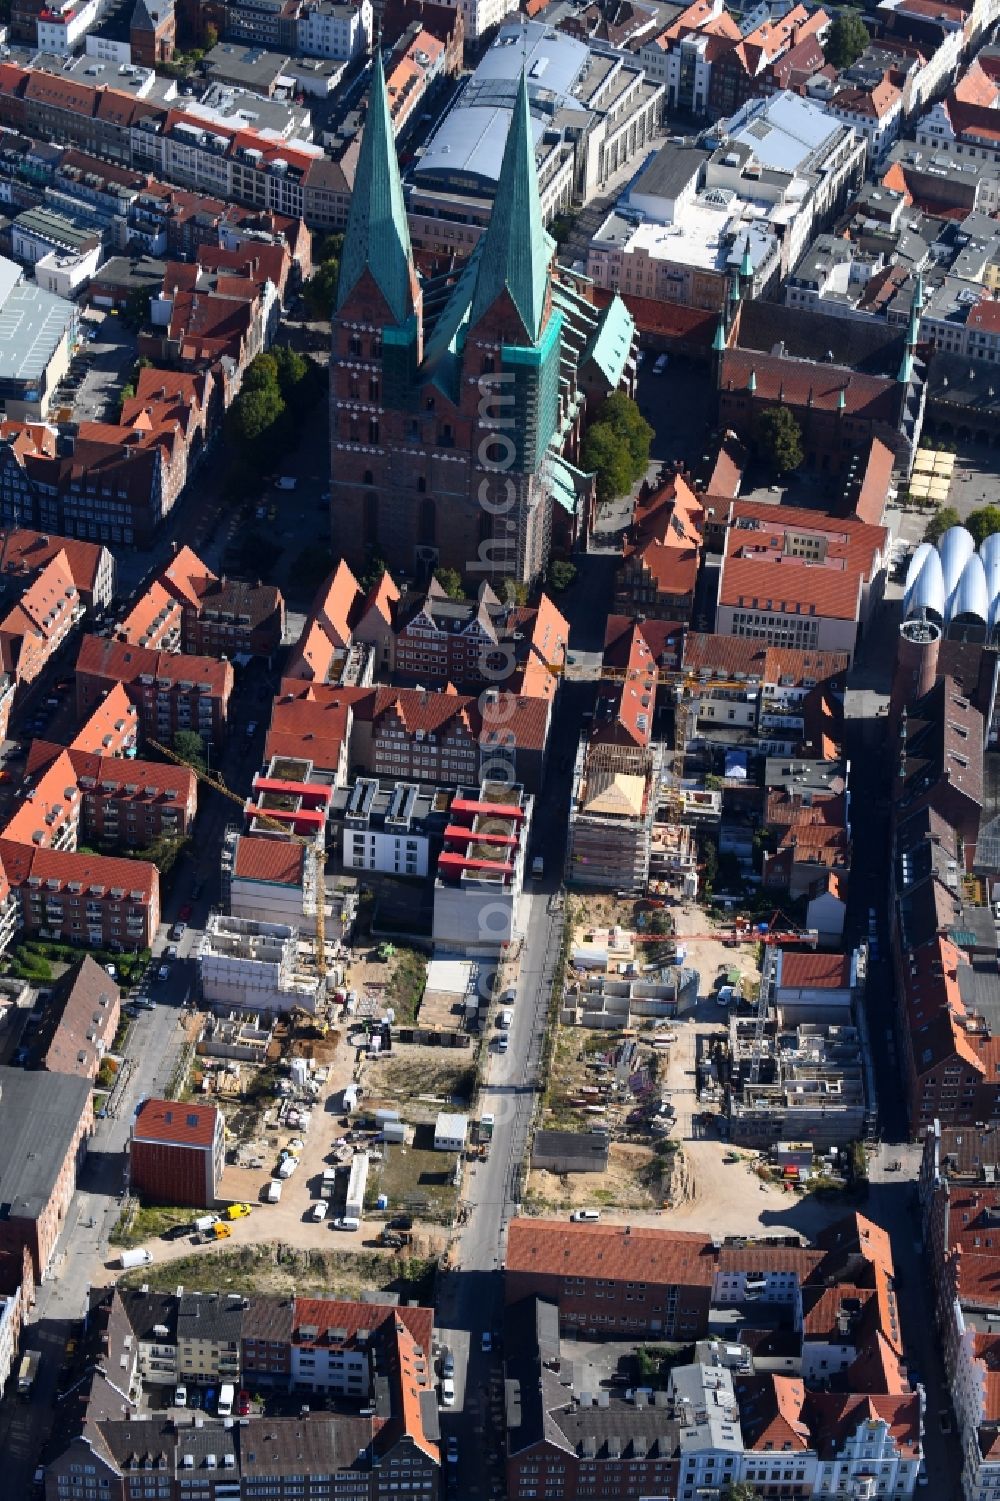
(27, 1371)
(138, 1257)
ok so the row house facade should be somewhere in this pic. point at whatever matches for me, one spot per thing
(96, 901)
(252, 169)
(171, 691)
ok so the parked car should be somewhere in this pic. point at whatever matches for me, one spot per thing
(243, 1404)
(318, 1210)
(452, 1449)
(163, 972)
(181, 1397)
(178, 930)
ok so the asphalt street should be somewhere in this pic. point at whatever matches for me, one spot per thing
(892, 1201)
(471, 1295)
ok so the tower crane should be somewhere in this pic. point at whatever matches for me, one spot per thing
(312, 850)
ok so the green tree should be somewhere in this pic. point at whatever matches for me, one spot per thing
(326, 247)
(165, 852)
(779, 439)
(512, 591)
(739, 1490)
(451, 582)
(623, 416)
(561, 574)
(125, 394)
(251, 415)
(984, 522)
(293, 368)
(261, 374)
(940, 522)
(211, 36)
(188, 745)
(135, 313)
(374, 570)
(607, 455)
(846, 40)
(320, 291)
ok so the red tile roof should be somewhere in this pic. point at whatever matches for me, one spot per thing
(165, 782)
(985, 316)
(107, 723)
(153, 613)
(711, 656)
(120, 662)
(664, 638)
(665, 538)
(624, 713)
(102, 873)
(27, 551)
(799, 383)
(311, 728)
(555, 1248)
(816, 971)
(183, 1124)
(835, 1419)
(338, 1321)
(186, 576)
(873, 494)
(759, 574)
(276, 861)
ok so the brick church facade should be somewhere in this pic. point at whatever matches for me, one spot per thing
(457, 403)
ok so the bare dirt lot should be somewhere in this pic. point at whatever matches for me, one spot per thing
(280, 1267)
(420, 1081)
(632, 1180)
(688, 1181)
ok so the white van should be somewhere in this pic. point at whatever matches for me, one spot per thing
(506, 1020)
(447, 1392)
(585, 1216)
(273, 1195)
(227, 1396)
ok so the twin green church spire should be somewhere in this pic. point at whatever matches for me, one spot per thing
(514, 253)
(516, 250)
(378, 236)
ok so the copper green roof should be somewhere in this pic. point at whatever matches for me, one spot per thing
(719, 342)
(515, 249)
(611, 344)
(378, 236)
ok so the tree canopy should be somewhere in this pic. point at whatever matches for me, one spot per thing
(189, 746)
(265, 418)
(846, 40)
(451, 582)
(320, 290)
(605, 455)
(616, 446)
(984, 522)
(779, 439)
(940, 522)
